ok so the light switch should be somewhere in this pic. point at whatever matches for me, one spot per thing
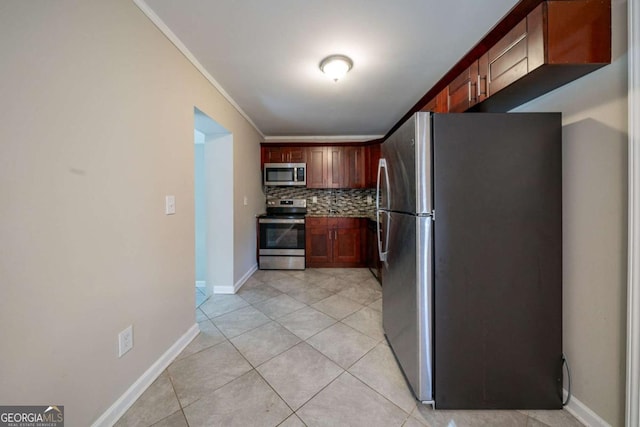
(170, 205)
(246, 200)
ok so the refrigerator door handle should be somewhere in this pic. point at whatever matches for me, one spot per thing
(383, 254)
(378, 234)
(378, 192)
(382, 164)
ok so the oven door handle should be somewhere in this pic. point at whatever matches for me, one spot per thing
(280, 221)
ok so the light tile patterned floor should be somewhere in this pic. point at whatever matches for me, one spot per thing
(201, 296)
(297, 348)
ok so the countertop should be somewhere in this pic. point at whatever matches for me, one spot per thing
(370, 216)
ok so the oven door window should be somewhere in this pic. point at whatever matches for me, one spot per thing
(281, 236)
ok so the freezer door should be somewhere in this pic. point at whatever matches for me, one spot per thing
(407, 156)
(407, 299)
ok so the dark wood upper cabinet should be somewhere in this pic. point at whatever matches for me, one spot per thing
(439, 103)
(537, 47)
(352, 165)
(507, 59)
(372, 153)
(463, 90)
(317, 167)
(354, 175)
(559, 41)
(279, 154)
(336, 167)
(335, 157)
(482, 79)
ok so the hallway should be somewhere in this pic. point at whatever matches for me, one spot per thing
(299, 348)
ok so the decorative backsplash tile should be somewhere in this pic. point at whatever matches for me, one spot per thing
(343, 202)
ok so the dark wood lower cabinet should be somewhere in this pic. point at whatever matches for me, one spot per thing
(335, 242)
(318, 245)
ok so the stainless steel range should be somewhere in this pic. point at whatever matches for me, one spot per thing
(282, 235)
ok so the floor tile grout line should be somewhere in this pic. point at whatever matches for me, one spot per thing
(272, 357)
(220, 386)
(284, 315)
(322, 389)
(381, 395)
(228, 312)
(248, 330)
(363, 356)
(367, 352)
(277, 394)
(175, 393)
(375, 338)
(305, 340)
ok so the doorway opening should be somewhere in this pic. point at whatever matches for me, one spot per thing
(213, 194)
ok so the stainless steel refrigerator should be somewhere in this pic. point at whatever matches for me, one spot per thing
(470, 216)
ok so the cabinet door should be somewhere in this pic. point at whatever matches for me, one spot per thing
(318, 246)
(335, 167)
(296, 155)
(463, 90)
(317, 167)
(275, 155)
(482, 82)
(439, 103)
(431, 105)
(346, 246)
(354, 167)
(373, 156)
(508, 58)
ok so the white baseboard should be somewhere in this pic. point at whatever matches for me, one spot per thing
(233, 289)
(120, 406)
(583, 413)
(201, 284)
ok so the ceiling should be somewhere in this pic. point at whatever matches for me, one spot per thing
(264, 56)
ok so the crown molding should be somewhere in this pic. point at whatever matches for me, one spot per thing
(322, 138)
(153, 17)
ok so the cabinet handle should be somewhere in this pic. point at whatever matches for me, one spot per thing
(480, 92)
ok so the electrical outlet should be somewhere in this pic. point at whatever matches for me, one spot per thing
(246, 200)
(125, 340)
(314, 199)
(170, 205)
(369, 200)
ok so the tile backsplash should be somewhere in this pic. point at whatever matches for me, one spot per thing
(343, 202)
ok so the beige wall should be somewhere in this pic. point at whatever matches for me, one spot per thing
(595, 226)
(97, 127)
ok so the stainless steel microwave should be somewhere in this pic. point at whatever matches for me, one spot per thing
(285, 174)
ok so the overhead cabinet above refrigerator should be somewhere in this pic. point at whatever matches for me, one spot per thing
(470, 209)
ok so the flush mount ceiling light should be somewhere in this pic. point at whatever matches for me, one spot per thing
(336, 66)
